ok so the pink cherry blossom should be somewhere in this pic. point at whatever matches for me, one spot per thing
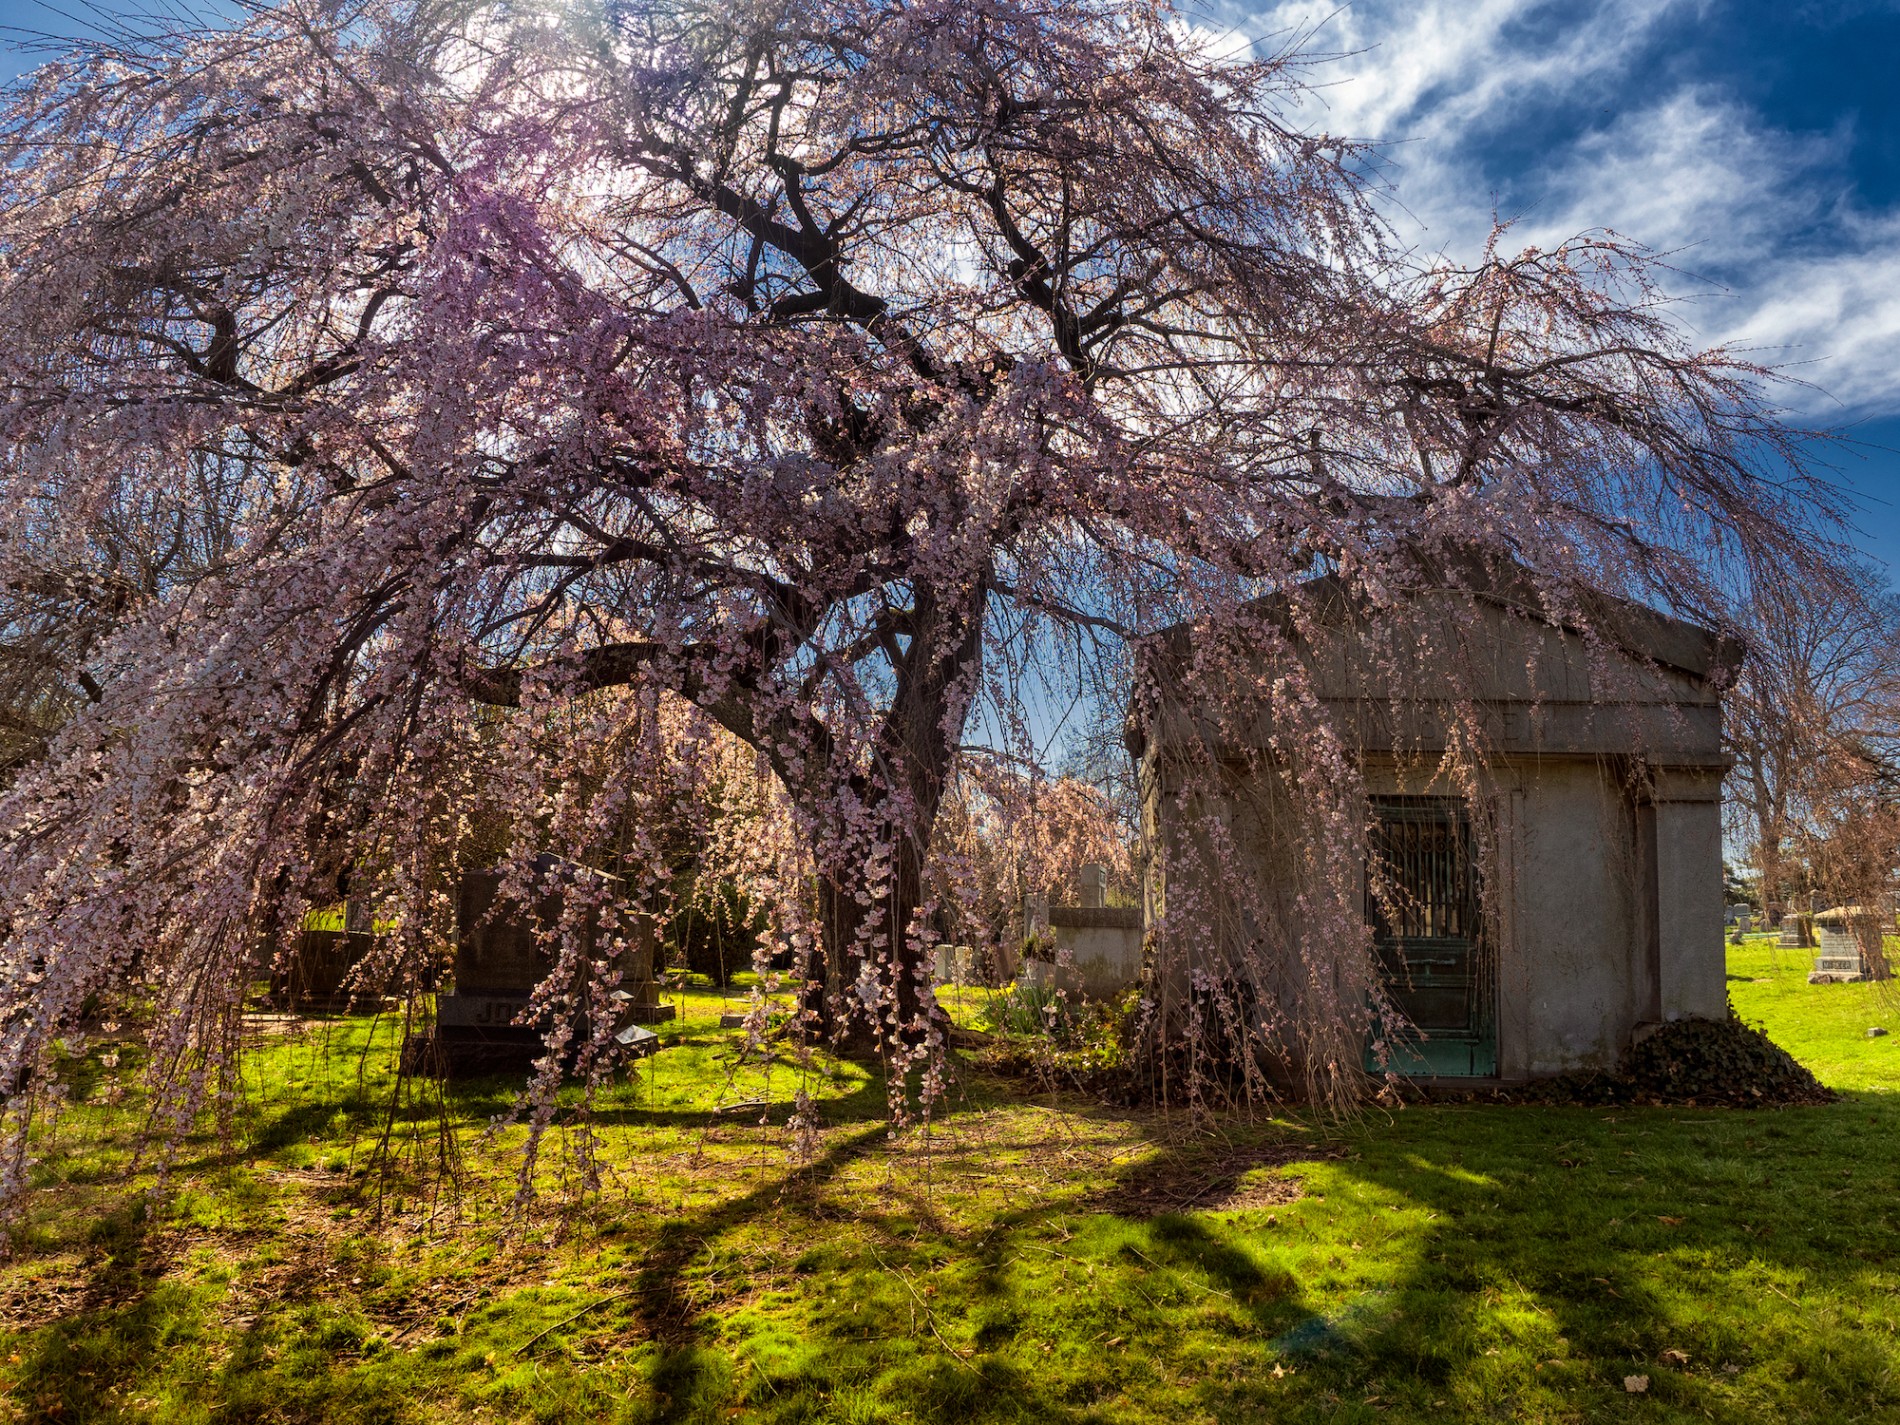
(602, 431)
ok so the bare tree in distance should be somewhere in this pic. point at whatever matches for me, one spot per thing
(1813, 722)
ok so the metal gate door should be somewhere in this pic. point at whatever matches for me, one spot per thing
(1428, 933)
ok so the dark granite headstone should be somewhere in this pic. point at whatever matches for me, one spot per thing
(312, 977)
(501, 958)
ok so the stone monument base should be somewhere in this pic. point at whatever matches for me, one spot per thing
(477, 1034)
(651, 1013)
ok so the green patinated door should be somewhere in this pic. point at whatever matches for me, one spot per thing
(1428, 931)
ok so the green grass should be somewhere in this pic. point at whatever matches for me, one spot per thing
(1824, 1026)
(1030, 1257)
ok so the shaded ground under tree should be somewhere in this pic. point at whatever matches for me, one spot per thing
(1034, 1256)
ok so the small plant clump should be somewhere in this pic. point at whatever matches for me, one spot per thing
(1040, 1028)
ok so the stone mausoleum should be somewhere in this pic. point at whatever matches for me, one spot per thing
(1598, 910)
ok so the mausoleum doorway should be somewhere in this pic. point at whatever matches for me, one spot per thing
(1424, 904)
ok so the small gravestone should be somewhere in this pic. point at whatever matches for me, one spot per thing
(501, 957)
(1876, 1033)
(1838, 958)
(315, 974)
(1797, 930)
(637, 1041)
(1035, 914)
(954, 964)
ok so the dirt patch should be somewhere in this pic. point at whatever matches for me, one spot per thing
(56, 1290)
(1220, 1180)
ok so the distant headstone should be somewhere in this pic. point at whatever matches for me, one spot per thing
(955, 964)
(500, 960)
(1876, 1033)
(1035, 914)
(1093, 948)
(316, 973)
(1838, 958)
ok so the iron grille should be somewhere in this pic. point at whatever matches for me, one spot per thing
(1427, 926)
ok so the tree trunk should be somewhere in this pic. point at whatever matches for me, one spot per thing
(916, 747)
(902, 978)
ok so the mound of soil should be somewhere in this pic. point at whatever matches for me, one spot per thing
(1697, 1063)
(1694, 1063)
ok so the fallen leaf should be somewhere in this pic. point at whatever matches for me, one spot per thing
(1670, 1221)
(1636, 1385)
(1673, 1357)
(1114, 1340)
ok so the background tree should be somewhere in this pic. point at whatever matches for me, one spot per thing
(1003, 835)
(823, 363)
(1813, 721)
(73, 581)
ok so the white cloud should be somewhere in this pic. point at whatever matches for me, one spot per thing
(1690, 171)
(1834, 319)
(1421, 72)
(1790, 264)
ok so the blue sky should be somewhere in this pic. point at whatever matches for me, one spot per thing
(1758, 141)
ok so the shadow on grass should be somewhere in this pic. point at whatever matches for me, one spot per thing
(864, 1104)
(78, 1361)
(1724, 1255)
(1547, 1253)
(1733, 1259)
(1015, 1345)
